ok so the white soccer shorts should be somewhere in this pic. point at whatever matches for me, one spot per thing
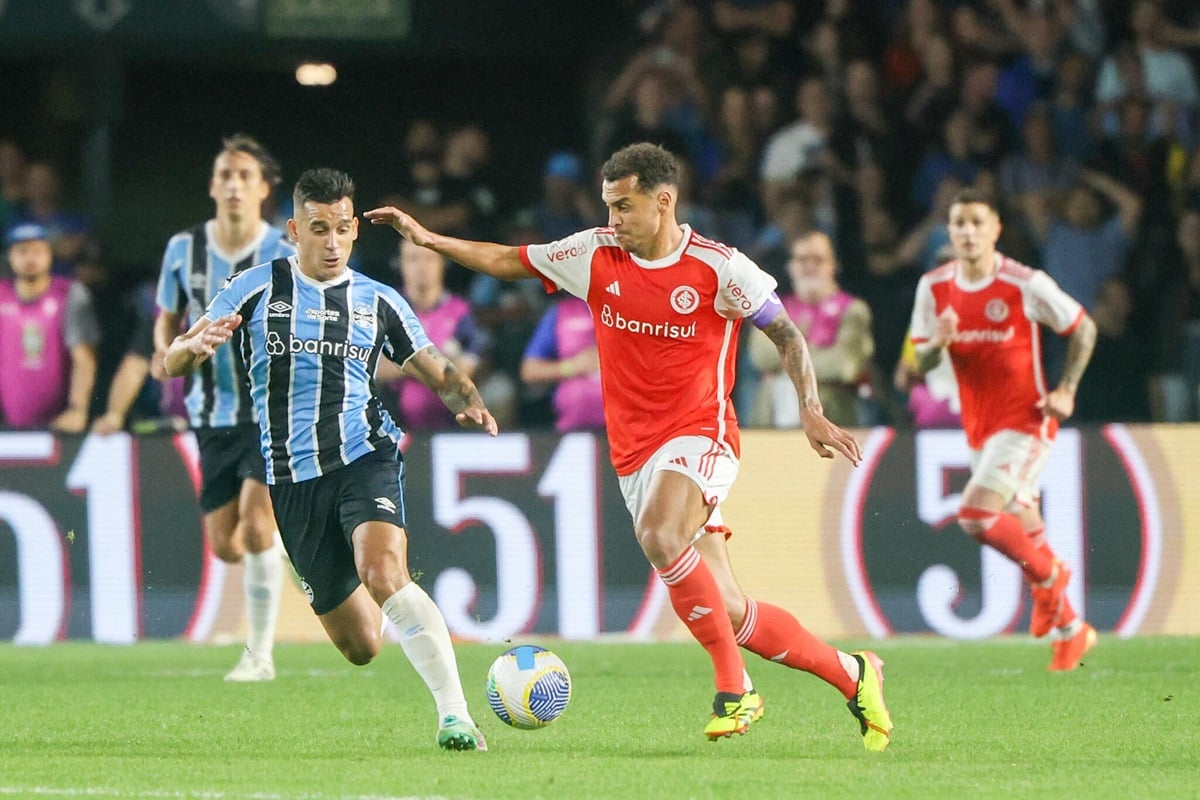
(1011, 463)
(710, 465)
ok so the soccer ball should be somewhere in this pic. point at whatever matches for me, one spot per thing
(528, 687)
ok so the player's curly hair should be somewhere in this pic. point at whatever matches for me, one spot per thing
(243, 143)
(652, 165)
(322, 185)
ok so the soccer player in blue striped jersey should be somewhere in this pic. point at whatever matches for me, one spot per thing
(237, 510)
(313, 333)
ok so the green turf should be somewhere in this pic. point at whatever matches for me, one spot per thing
(973, 720)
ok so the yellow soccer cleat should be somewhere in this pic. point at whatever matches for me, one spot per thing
(753, 701)
(731, 714)
(868, 706)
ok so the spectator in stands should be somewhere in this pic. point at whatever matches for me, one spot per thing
(1070, 107)
(12, 180)
(935, 95)
(1161, 72)
(951, 158)
(1176, 389)
(1115, 386)
(48, 339)
(447, 319)
(1138, 158)
(562, 351)
(466, 161)
(1085, 246)
(837, 328)
(68, 231)
(567, 205)
(801, 145)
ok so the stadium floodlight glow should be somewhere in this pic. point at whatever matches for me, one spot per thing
(313, 74)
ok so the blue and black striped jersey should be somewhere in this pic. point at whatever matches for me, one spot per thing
(311, 349)
(193, 270)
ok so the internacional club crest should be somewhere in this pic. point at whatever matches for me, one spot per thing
(996, 310)
(685, 299)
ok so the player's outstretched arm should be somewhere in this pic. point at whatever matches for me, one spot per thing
(823, 436)
(199, 343)
(498, 260)
(430, 366)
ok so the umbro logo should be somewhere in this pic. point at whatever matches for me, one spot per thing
(698, 612)
(385, 504)
(614, 288)
(280, 308)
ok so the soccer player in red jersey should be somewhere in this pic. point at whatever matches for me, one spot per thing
(668, 305)
(985, 310)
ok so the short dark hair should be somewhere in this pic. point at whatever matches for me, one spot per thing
(973, 195)
(322, 185)
(653, 165)
(242, 143)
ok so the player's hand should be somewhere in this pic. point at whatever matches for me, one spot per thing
(73, 420)
(404, 224)
(947, 327)
(824, 435)
(108, 423)
(1059, 404)
(477, 418)
(206, 342)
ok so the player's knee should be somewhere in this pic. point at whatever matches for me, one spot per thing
(359, 651)
(660, 544)
(975, 521)
(258, 535)
(228, 549)
(382, 579)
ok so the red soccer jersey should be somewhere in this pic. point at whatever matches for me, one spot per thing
(666, 332)
(996, 353)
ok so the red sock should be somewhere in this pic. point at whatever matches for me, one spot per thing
(1004, 532)
(1038, 537)
(697, 601)
(776, 635)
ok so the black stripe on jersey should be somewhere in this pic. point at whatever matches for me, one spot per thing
(279, 369)
(245, 405)
(387, 323)
(332, 392)
(197, 282)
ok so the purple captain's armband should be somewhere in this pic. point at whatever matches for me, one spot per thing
(767, 312)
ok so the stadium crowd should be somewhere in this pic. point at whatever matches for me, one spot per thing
(850, 119)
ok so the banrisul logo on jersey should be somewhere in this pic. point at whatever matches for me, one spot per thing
(910, 568)
(611, 318)
(317, 347)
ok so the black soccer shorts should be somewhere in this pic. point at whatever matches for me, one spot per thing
(317, 518)
(228, 456)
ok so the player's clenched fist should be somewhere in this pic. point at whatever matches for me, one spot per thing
(947, 327)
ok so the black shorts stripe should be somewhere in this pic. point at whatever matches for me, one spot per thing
(335, 328)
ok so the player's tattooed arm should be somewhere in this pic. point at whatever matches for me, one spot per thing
(1060, 403)
(795, 359)
(430, 366)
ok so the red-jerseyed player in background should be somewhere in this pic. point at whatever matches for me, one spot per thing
(985, 310)
(668, 305)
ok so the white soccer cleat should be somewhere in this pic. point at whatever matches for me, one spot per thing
(251, 668)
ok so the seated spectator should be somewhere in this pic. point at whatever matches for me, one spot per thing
(562, 351)
(447, 319)
(48, 339)
(837, 327)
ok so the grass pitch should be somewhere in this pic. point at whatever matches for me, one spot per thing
(976, 720)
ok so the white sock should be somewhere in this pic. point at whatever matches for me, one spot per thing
(426, 642)
(262, 575)
(850, 665)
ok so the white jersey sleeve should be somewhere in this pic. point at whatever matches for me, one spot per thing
(923, 324)
(1049, 305)
(743, 287)
(566, 263)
